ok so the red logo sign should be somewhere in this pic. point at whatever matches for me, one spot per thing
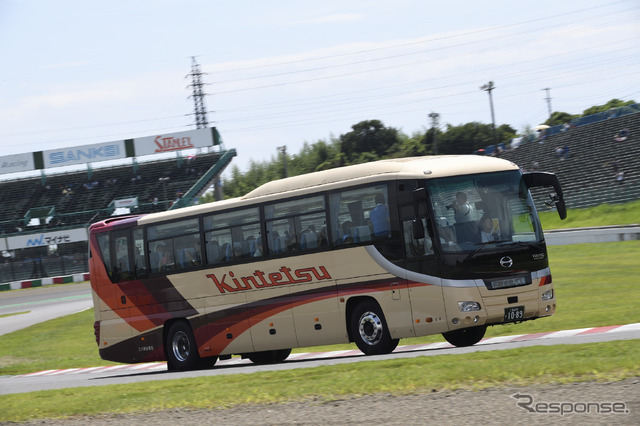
(228, 283)
(169, 143)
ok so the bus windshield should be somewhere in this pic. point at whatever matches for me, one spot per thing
(482, 209)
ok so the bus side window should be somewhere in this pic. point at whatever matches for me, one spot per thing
(188, 252)
(122, 267)
(296, 225)
(103, 243)
(162, 256)
(360, 216)
(140, 261)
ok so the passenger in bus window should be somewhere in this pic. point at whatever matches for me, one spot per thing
(164, 259)
(487, 230)
(347, 238)
(379, 216)
(462, 210)
(323, 239)
(258, 251)
(445, 232)
(192, 255)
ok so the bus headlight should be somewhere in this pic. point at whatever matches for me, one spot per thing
(468, 306)
(547, 295)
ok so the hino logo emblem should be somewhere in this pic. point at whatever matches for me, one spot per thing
(506, 262)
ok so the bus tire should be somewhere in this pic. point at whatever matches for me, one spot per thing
(181, 348)
(369, 329)
(207, 362)
(269, 357)
(465, 336)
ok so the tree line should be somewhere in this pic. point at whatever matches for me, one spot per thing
(371, 140)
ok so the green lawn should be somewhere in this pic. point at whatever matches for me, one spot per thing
(603, 215)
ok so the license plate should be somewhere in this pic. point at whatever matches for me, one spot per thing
(514, 313)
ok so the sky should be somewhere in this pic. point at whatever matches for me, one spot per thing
(286, 73)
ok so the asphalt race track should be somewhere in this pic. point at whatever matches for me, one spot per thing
(132, 373)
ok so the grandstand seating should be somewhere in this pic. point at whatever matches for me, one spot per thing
(82, 197)
(587, 176)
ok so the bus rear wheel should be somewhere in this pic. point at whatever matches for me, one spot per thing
(465, 336)
(369, 329)
(269, 357)
(180, 347)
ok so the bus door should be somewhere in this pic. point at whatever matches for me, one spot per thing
(114, 304)
(425, 287)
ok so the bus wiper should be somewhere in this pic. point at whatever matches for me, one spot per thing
(483, 245)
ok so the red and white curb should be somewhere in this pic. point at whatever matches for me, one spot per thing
(158, 366)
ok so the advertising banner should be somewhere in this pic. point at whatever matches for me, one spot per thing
(125, 202)
(16, 163)
(169, 142)
(47, 238)
(84, 154)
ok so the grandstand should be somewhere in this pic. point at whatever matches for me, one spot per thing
(44, 219)
(588, 175)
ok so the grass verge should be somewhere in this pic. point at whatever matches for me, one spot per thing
(602, 215)
(515, 367)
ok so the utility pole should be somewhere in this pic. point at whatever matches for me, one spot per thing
(434, 126)
(283, 150)
(488, 88)
(548, 99)
(200, 112)
(198, 94)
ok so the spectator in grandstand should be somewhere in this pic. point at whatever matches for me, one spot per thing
(622, 135)
(462, 210)
(379, 216)
(542, 135)
(559, 152)
(614, 166)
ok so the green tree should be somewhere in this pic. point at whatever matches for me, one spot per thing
(466, 138)
(613, 103)
(560, 118)
(370, 137)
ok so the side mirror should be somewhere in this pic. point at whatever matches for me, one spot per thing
(544, 179)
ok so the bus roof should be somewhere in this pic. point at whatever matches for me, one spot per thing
(411, 167)
(428, 167)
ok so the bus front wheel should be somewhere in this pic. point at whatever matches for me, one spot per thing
(369, 329)
(181, 349)
(465, 336)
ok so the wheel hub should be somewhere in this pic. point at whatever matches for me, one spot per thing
(370, 328)
(180, 346)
